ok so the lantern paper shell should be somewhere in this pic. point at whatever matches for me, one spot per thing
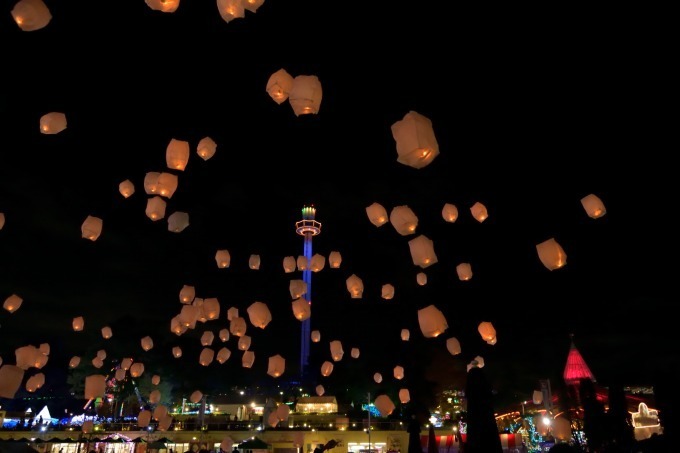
(31, 15)
(259, 314)
(45, 349)
(479, 212)
(561, 428)
(187, 294)
(317, 263)
(551, 254)
(126, 188)
(177, 352)
(279, 85)
(211, 308)
(206, 357)
(165, 6)
(315, 336)
(165, 422)
(52, 123)
(405, 334)
(537, 397)
(223, 355)
(237, 326)
(206, 148)
(593, 206)
(155, 397)
(10, 380)
(404, 396)
(78, 323)
(421, 278)
(282, 412)
(404, 220)
(106, 333)
(334, 259)
(227, 444)
(377, 377)
(223, 258)
(74, 362)
(224, 335)
(276, 367)
(297, 288)
(119, 374)
(207, 338)
(432, 321)
(273, 420)
(41, 360)
(399, 372)
(126, 363)
(166, 184)
(91, 228)
(387, 292)
(336, 350)
(95, 386)
(232, 313)
(2, 220)
(320, 390)
(450, 212)
(160, 412)
(155, 208)
(252, 5)
(244, 343)
(88, 426)
(305, 95)
(326, 368)
(248, 359)
(147, 343)
(416, 143)
(26, 356)
(177, 154)
(384, 405)
(12, 303)
(188, 315)
(302, 310)
(486, 330)
(151, 182)
(355, 287)
(377, 214)
(136, 369)
(178, 222)
(302, 263)
(231, 9)
(289, 264)
(254, 262)
(422, 251)
(355, 352)
(453, 346)
(464, 271)
(101, 354)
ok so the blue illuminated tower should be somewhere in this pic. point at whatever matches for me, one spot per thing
(307, 227)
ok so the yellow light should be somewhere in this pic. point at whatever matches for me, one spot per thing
(19, 20)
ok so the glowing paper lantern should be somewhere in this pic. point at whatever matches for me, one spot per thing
(74, 362)
(537, 397)
(317, 263)
(206, 148)
(244, 343)
(223, 355)
(187, 294)
(326, 368)
(223, 258)
(166, 184)
(252, 5)
(593, 206)
(224, 335)
(126, 188)
(384, 405)
(259, 314)
(254, 262)
(211, 308)
(399, 372)
(166, 6)
(227, 444)
(355, 353)
(232, 313)
(12, 303)
(155, 208)
(178, 221)
(276, 367)
(91, 228)
(315, 336)
(101, 354)
(334, 259)
(136, 369)
(147, 343)
(231, 9)
(377, 377)
(45, 349)
(10, 380)
(336, 350)
(453, 346)
(377, 214)
(151, 182)
(272, 420)
(561, 428)
(119, 374)
(78, 323)
(297, 288)
(320, 390)
(305, 95)
(387, 291)
(107, 332)
(143, 419)
(289, 264)
(31, 15)
(52, 123)
(88, 426)
(177, 352)
(450, 212)
(188, 315)
(279, 85)
(248, 359)
(302, 263)
(155, 397)
(432, 321)
(177, 154)
(416, 143)
(404, 220)
(40, 360)
(26, 356)
(355, 286)
(126, 363)
(282, 412)
(551, 254)
(421, 278)
(404, 396)
(237, 326)
(95, 386)
(165, 422)
(464, 271)
(486, 330)
(206, 357)
(207, 338)
(405, 334)
(301, 309)
(422, 251)
(160, 412)
(2, 220)
(479, 212)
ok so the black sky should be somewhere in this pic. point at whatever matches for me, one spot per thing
(532, 111)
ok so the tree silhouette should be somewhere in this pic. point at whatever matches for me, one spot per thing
(482, 432)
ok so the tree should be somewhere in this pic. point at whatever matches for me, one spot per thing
(620, 424)
(482, 432)
(593, 416)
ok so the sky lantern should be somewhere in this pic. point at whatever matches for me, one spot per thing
(398, 372)
(26, 356)
(119, 375)
(196, 397)
(252, 5)
(320, 390)
(355, 286)
(151, 182)
(31, 15)
(223, 258)
(147, 343)
(317, 263)
(52, 123)
(177, 352)
(416, 143)
(537, 397)
(301, 309)
(432, 321)
(2, 220)
(165, 6)
(244, 343)
(289, 264)
(477, 362)
(302, 263)
(421, 278)
(155, 396)
(561, 428)
(206, 148)
(165, 422)
(276, 367)
(38, 380)
(188, 315)
(224, 335)
(377, 377)
(126, 188)
(238, 326)
(136, 369)
(106, 332)
(10, 380)
(377, 214)
(279, 85)
(405, 334)
(387, 291)
(551, 254)
(254, 262)
(126, 363)
(206, 357)
(74, 362)
(450, 212)
(95, 386)
(404, 396)
(211, 308)
(155, 208)
(259, 314)
(207, 338)
(232, 313)
(422, 251)
(297, 288)
(336, 350)
(486, 330)
(464, 271)
(326, 368)
(248, 359)
(479, 212)
(178, 221)
(404, 220)
(159, 412)
(101, 354)
(12, 303)
(40, 360)
(187, 294)
(227, 444)
(355, 353)
(91, 228)
(88, 426)
(315, 336)
(334, 259)
(231, 9)
(282, 412)
(594, 206)
(305, 95)
(78, 323)
(44, 348)
(177, 154)
(384, 405)
(453, 346)
(167, 184)
(223, 355)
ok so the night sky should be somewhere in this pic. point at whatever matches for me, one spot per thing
(530, 117)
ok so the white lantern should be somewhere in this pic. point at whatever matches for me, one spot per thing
(464, 271)
(326, 368)
(479, 212)
(223, 355)
(254, 262)
(187, 294)
(259, 314)
(224, 335)
(78, 323)
(422, 251)
(355, 352)
(177, 154)
(377, 377)
(387, 292)
(151, 182)
(421, 278)
(244, 343)
(156, 379)
(320, 390)
(302, 310)
(31, 15)
(416, 143)
(10, 380)
(399, 372)
(384, 405)
(276, 366)
(404, 220)
(165, 6)
(297, 288)
(136, 369)
(279, 85)
(537, 397)
(305, 95)
(231, 9)
(211, 308)
(450, 212)
(52, 123)
(405, 334)
(126, 363)
(336, 350)
(317, 263)
(167, 184)
(316, 336)
(486, 330)
(155, 208)
(232, 313)
(147, 343)
(238, 326)
(207, 338)
(289, 264)
(404, 396)
(453, 346)
(334, 259)
(106, 333)
(432, 321)
(377, 214)
(91, 228)
(248, 359)
(74, 362)
(95, 386)
(126, 188)
(302, 263)
(12, 303)
(551, 254)
(223, 258)
(355, 286)
(178, 221)
(206, 148)
(177, 352)
(593, 206)
(206, 357)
